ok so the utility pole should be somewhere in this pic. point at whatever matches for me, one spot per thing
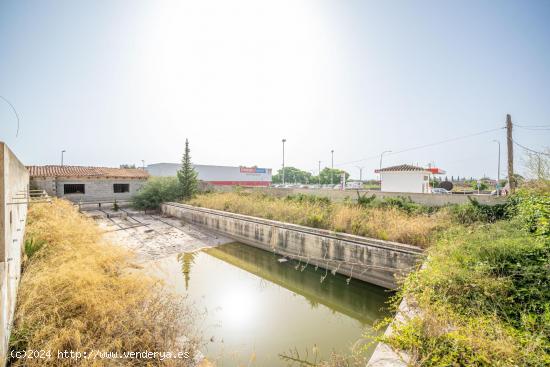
(332, 167)
(284, 141)
(319, 173)
(510, 144)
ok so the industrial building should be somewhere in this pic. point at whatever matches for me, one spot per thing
(218, 175)
(407, 178)
(84, 184)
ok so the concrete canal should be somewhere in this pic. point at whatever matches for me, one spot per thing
(256, 307)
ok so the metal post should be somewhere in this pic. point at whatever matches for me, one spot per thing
(319, 174)
(332, 167)
(284, 140)
(510, 143)
(498, 169)
(360, 173)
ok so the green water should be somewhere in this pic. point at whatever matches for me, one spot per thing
(256, 308)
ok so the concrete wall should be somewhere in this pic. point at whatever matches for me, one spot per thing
(367, 259)
(341, 195)
(409, 182)
(14, 181)
(95, 189)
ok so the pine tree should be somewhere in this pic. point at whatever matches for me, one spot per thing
(187, 176)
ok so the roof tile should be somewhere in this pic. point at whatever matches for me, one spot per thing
(82, 171)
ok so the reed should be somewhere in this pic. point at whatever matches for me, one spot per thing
(386, 223)
(80, 293)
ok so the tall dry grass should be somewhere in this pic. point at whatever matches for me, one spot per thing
(80, 293)
(389, 224)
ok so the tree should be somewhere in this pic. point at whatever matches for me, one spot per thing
(332, 176)
(187, 176)
(292, 175)
(537, 165)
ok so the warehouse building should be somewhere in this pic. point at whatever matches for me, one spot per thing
(407, 178)
(85, 184)
(218, 175)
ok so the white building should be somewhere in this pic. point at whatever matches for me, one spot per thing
(406, 178)
(218, 175)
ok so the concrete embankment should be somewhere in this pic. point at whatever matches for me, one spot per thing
(373, 261)
(14, 185)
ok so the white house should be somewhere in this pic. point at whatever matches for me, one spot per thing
(406, 178)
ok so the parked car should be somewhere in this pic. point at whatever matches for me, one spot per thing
(440, 191)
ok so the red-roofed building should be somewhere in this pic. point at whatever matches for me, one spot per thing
(79, 183)
(407, 178)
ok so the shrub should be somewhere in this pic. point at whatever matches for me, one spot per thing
(484, 299)
(364, 200)
(156, 191)
(309, 199)
(532, 209)
(474, 212)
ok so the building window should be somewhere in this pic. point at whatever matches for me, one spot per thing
(119, 188)
(73, 189)
(426, 178)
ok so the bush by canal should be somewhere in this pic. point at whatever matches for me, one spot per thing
(484, 296)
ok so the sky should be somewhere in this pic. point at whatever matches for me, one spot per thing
(120, 81)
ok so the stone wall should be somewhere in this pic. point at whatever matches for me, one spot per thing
(341, 195)
(367, 259)
(95, 189)
(14, 181)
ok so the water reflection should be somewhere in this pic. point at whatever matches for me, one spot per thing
(258, 307)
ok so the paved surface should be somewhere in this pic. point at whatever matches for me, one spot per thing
(152, 236)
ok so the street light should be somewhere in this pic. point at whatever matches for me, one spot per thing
(380, 173)
(284, 141)
(360, 173)
(498, 169)
(62, 152)
(332, 167)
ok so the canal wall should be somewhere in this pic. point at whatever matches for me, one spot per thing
(341, 195)
(14, 184)
(371, 260)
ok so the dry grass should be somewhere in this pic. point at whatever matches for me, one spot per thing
(383, 223)
(79, 293)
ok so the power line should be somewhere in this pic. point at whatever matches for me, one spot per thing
(425, 145)
(15, 112)
(536, 128)
(532, 126)
(529, 149)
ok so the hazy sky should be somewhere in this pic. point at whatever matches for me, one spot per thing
(116, 82)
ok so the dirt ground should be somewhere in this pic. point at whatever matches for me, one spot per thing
(152, 236)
